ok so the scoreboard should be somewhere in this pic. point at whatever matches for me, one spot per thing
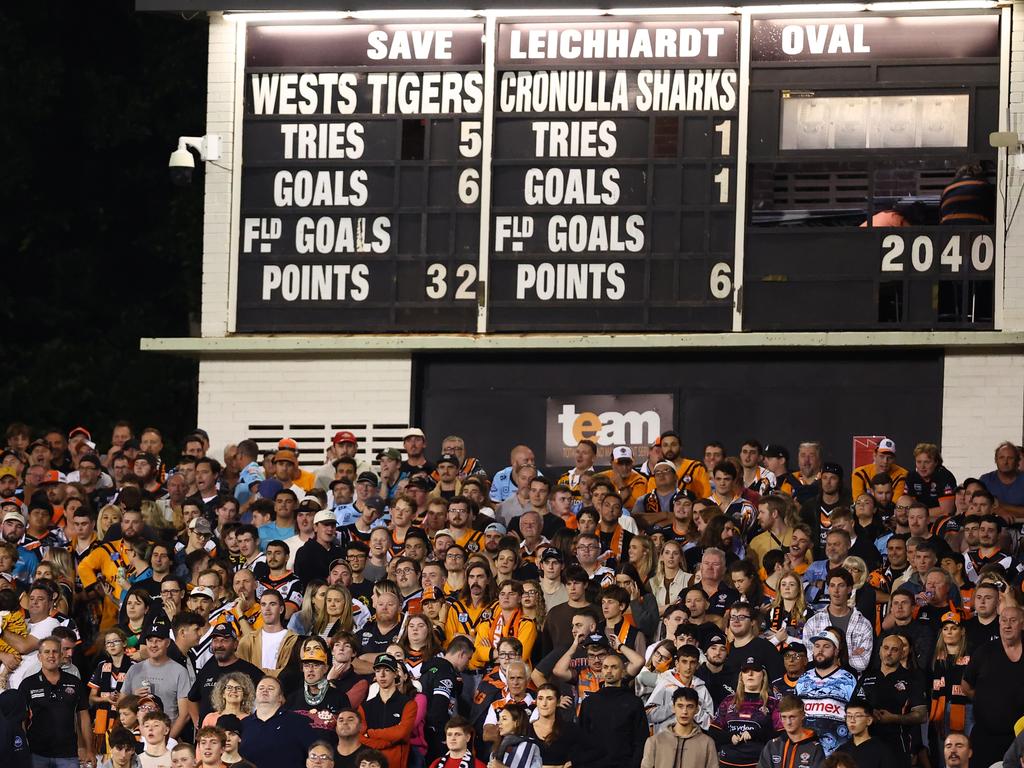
(617, 173)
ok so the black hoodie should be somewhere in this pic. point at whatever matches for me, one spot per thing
(614, 724)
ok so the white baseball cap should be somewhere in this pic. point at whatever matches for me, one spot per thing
(885, 445)
(621, 452)
(414, 432)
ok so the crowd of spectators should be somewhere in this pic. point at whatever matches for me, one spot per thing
(396, 611)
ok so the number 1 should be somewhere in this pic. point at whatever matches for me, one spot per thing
(722, 180)
(725, 128)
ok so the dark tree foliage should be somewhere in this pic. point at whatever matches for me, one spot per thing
(98, 248)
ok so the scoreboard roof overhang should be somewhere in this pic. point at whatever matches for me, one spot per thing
(242, 6)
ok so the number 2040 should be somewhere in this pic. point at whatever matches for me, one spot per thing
(922, 251)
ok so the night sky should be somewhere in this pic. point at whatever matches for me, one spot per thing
(99, 248)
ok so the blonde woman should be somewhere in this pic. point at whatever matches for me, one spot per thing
(234, 694)
(109, 516)
(670, 579)
(861, 599)
(641, 554)
(337, 611)
(788, 612)
(311, 619)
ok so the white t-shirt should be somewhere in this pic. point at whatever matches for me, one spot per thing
(271, 645)
(30, 661)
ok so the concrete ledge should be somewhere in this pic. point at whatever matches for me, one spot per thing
(231, 346)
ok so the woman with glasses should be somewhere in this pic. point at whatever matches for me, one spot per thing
(105, 684)
(659, 660)
(233, 694)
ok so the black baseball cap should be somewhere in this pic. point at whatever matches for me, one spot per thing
(229, 723)
(224, 630)
(368, 477)
(449, 458)
(598, 638)
(161, 631)
(775, 451)
(551, 553)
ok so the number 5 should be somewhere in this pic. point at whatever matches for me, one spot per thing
(470, 140)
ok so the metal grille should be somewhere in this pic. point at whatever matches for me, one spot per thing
(314, 439)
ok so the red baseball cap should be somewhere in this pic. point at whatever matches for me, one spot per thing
(80, 431)
(53, 476)
(344, 436)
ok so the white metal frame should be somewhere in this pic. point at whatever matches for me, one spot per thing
(236, 177)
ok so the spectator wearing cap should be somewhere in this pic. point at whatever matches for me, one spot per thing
(629, 483)
(747, 719)
(449, 484)
(584, 456)
(41, 534)
(274, 735)
(304, 514)
(391, 474)
(884, 463)
(160, 676)
(897, 697)
(318, 699)
(285, 468)
(301, 478)
(817, 510)
(776, 461)
(390, 716)
(344, 445)
(794, 661)
(232, 727)
(826, 689)
(225, 661)
(551, 565)
(370, 513)
(654, 508)
(314, 558)
(712, 669)
(415, 443)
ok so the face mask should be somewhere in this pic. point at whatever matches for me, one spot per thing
(662, 666)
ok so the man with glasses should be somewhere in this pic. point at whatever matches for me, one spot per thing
(506, 621)
(320, 755)
(861, 747)
(747, 643)
(407, 577)
(454, 558)
(588, 552)
(356, 555)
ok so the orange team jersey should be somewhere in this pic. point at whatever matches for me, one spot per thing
(489, 633)
(692, 475)
(860, 481)
(471, 541)
(463, 619)
(306, 480)
(103, 561)
(14, 622)
(574, 487)
(634, 482)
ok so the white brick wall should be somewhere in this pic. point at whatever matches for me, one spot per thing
(237, 393)
(220, 115)
(983, 405)
(1013, 272)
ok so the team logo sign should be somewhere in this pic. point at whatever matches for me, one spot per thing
(608, 420)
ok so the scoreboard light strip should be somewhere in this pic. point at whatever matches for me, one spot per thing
(418, 14)
(937, 5)
(288, 16)
(775, 10)
(716, 10)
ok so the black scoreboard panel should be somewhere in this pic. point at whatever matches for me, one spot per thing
(360, 198)
(613, 175)
(864, 121)
(608, 147)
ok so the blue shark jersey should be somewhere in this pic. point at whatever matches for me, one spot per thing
(825, 700)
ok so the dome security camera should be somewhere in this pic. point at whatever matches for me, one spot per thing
(182, 163)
